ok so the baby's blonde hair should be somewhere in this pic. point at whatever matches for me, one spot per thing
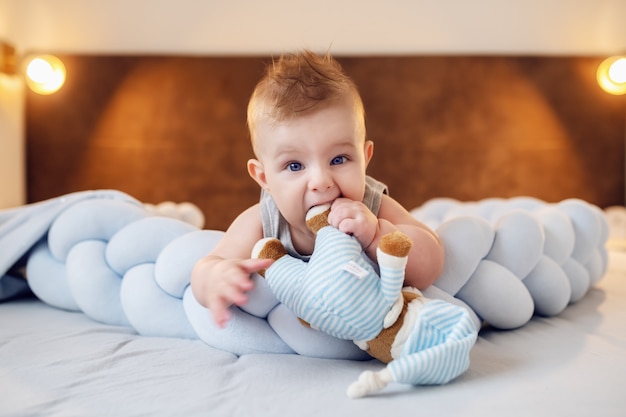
(297, 83)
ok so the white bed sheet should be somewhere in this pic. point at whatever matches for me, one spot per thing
(58, 363)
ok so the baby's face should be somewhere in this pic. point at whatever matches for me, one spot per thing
(313, 159)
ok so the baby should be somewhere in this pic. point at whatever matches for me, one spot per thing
(307, 127)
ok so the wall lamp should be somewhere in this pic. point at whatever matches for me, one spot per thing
(611, 75)
(44, 74)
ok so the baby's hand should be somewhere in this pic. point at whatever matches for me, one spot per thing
(354, 218)
(228, 283)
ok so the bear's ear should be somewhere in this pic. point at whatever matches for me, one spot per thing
(268, 248)
(317, 217)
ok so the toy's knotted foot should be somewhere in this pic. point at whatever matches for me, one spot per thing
(369, 382)
(396, 244)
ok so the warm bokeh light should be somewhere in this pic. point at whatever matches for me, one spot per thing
(611, 75)
(617, 71)
(45, 74)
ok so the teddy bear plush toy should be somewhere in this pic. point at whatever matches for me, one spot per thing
(341, 292)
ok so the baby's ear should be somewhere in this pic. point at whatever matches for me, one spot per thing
(317, 217)
(257, 172)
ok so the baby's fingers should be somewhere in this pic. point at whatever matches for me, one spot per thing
(220, 312)
(347, 226)
(254, 265)
(233, 294)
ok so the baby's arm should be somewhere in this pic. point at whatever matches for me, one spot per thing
(222, 278)
(426, 257)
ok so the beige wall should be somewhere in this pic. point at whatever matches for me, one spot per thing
(544, 27)
(347, 26)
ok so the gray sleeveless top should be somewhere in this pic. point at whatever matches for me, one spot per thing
(275, 225)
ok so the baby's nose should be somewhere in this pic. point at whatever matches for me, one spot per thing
(321, 180)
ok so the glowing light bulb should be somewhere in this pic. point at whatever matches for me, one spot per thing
(45, 74)
(39, 70)
(617, 71)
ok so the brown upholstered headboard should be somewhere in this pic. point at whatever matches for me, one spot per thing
(173, 128)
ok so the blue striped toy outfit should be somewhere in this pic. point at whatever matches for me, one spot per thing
(345, 305)
(438, 347)
(352, 302)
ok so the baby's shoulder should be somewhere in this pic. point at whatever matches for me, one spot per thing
(392, 210)
(248, 220)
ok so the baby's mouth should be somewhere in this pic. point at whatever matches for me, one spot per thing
(329, 202)
(320, 205)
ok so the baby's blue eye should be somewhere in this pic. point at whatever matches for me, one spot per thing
(294, 166)
(338, 160)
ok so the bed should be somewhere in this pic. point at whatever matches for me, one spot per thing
(470, 128)
(58, 363)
